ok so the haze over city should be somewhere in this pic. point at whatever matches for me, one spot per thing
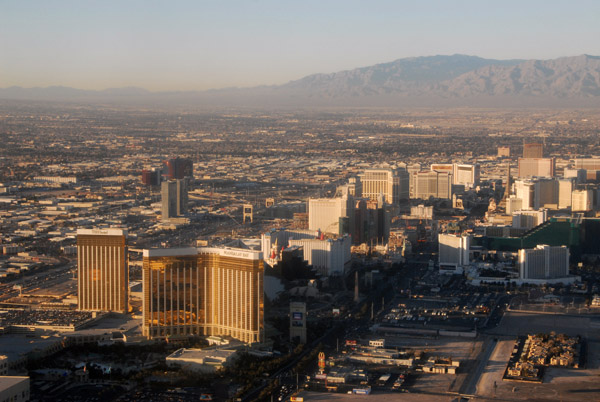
(295, 201)
(188, 45)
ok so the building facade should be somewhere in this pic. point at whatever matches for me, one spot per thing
(204, 291)
(102, 272)
(394, 184)
(536, 167)
(174, 198)
(544, 262)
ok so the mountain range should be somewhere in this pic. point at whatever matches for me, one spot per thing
(456, 80)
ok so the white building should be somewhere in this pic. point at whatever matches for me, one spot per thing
(525, 191)
(466, 175)
(421, 211)
(529, 219)
(328, 256)
(565, 188)
(513, 204)
(324, 213)
(544, 262)
(582, 200)
(453, 252)
(275, 239)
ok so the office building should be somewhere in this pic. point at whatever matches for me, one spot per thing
(102, 274)
(433, 184)
(178, 168)
(453, 252)
(394, 184)
(298, 322)
(174, 198)
(324, 214)
(544, 262)
(204, 291)
(533, 150)
(536, 167)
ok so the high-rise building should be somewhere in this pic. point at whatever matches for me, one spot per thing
(412, 171)
(102, 273)
(174, 198)
(324, 214)
(582, 200)
(565, 188)
(533, 150)
(174, 302)
(433, 184)
(580, 175)
(544, 262)
(525, 191)
(328, 256)
(207, 291)
(453, 252)
(234, 292)
(394, 184)
(151, 177)
(536, 167)
(178, 168)
(529, 219)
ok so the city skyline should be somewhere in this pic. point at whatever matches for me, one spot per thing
(199, 46)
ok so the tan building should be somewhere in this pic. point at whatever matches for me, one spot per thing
(394, 184)
(433, 184)
(503, 152)
(102, 274)
(533, 150)
(205, 291)
(536, 167)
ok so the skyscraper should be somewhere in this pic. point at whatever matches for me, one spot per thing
(394, 184)
(205, 291)
(533, 150)
(174, 198)
(234, 292)
(178, 168)
(102, 274)
(174, 293)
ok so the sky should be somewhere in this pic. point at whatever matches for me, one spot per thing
(197, 45)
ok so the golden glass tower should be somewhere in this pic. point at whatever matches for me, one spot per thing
(205, 291)
(173, 293)
(102, 274)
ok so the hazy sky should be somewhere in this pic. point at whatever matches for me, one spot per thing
(163, 45)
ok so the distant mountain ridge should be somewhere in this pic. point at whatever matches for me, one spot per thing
(456, 80)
